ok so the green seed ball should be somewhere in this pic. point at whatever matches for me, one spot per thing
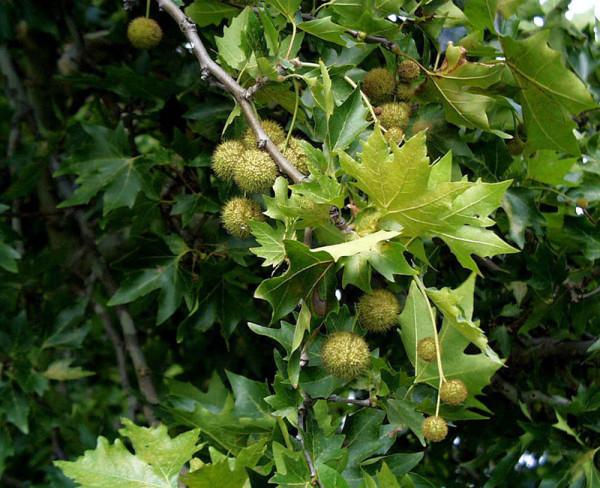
(582, 202)
(408, 70)
(272, 129)
(226, 157)
(394, 114)
(256, 172)
(454, 392)
(379, 85)
(394, 135)
(236, 215)
(404, 92)
(378, 311)
(435, 428)
(345, 355)
(515, 146)
(144, 33)
(296, 155)
(426, 349)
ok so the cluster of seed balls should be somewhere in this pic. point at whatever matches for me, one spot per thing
(452, 392)
(346, 355)
(393, 96)
(253, 171)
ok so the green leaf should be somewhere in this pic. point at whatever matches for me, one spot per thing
(356, 246)
(271, 242)
(291, 468)
(103, 163)
(386, 478)
(207, 12)
(449, 303)
(549, 93)
(157, 461)
(403, 413)
(217, 474)
(61, 370)
(235, 47)
(459, 87)
(168, 277)
(348, 121)
(548, 167)
(481, 13)
(8, 257)
(400, 186)
(519, 205)
(286, 7)
(325, 29)
(15, 407)
(305, 270)
(188, 206)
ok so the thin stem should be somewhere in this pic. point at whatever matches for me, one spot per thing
(436, 339)
(364, 97)
(148, 8)
(294, 116)
(351, 401)
(294, 31)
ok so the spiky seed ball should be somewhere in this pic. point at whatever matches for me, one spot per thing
(345, 355)
(454, 392)
(426, 349)
(404, 92)
(395, 114)
(379, 85)
(515, 146)
(144, 33)
(394, 135)
(378, 311)
(272, 129)
(296, 155)
(226, 157)
(256, 172)
(408, 70)
(582, 202)
(435, 428)
(237, 213)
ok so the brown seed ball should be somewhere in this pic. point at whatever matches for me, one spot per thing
(582, 202)
(404, 92)
(435, 428)
(296, 155)
(256, 172)
(515, 146)
(345, 355)
(408, 70)
(379, 85)
(144, 33)
(237, 213)
(394, 135)
(395, 114)
(378, 311)
(453, 392)
(272, 129)
(426, 349)
(226, 157)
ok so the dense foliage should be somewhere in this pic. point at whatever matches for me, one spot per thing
(398, 287)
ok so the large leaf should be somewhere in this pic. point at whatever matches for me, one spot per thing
(458, 86)
(549, 93)
(305, 270)
(415, 198)
(157, 461)
(348, 121)
(325, 29)
(207, 12)
(103, 163)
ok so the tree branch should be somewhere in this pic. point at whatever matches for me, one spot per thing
(211, 68)
(363, 403)
(120, 355)
(314, 478)
(514, 395)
